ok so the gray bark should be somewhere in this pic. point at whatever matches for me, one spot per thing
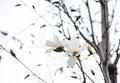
(108, 69)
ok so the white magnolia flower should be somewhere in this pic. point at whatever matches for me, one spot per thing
(74, 50)
(54, 45)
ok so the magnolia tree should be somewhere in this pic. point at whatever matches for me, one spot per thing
(97, 21)
(88, 28)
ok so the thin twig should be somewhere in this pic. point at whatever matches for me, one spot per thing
(77, 28)
(63, 26)
(118, 54)
(39, 14)
(91, 24)
(31, 71)
(82, 70)
(23, 65)
(80, 67)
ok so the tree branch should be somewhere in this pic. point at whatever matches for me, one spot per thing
(14, 55)
(81, 68)
(118, 54)
(63, 27)
(91, 24)
(105, 41)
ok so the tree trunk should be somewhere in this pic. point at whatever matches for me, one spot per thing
(109, 70)
(113, 73)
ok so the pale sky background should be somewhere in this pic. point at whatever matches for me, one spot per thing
(22, 23)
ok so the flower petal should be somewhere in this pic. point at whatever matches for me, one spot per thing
(67, 46)
(56, 38)
(83, 47)
(49, 50)
(57, 41)
(65, 43)
(74, 44)
(71, 62)
(50, 43)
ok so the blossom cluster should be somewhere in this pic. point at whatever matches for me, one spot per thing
(71, 47)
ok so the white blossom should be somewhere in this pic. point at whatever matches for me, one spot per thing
(74, 49)
(55, 45)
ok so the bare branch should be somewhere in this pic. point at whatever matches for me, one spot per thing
(80, 67)
(63, 26)
(77, 28)
(117, 59)
(82, 70)
(118, 54)
(91, 24)
(14, 55)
